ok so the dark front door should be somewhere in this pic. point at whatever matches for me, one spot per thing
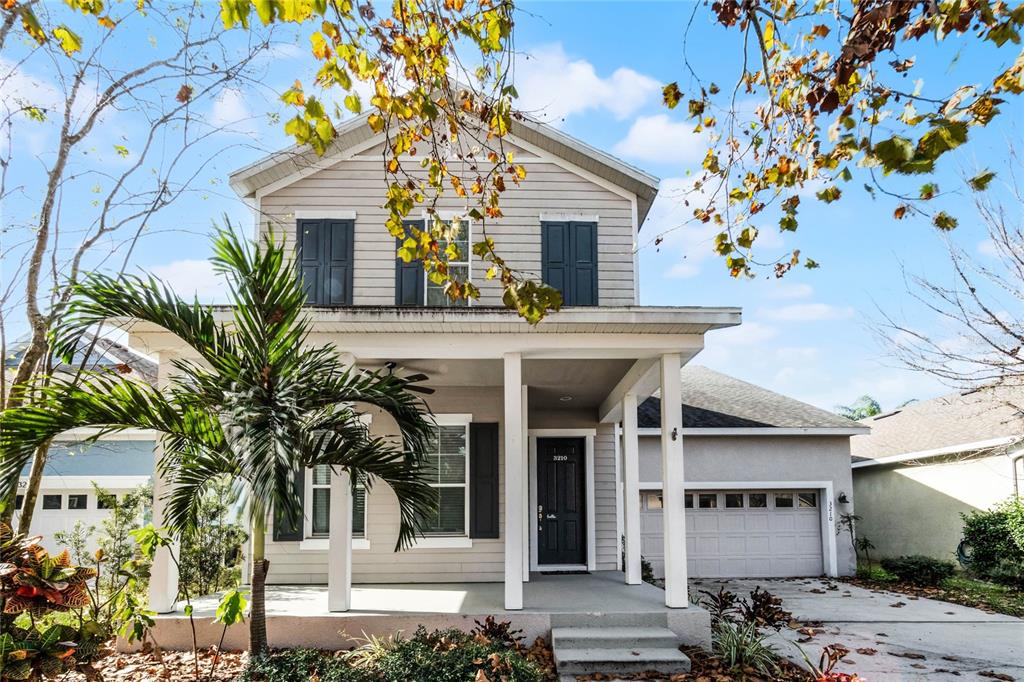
(561, 514)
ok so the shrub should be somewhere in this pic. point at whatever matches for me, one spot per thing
(995, 536)
(742, 646)
(438, 656)
(1008, 572)
(918, 569)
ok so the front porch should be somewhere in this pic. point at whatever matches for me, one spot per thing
(298, 615)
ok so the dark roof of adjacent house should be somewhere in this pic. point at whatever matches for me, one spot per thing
(957, 422)
(106, 354)
(712, 400)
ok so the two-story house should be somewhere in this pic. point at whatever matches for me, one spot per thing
(538, 451)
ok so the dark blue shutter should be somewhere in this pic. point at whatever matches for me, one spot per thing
(326, 263)
(309, 242)
(409, 278)
(338, 262)
(569, 261)
(286, 529)
(483, 480)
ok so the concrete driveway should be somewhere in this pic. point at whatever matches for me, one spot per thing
(910, 638)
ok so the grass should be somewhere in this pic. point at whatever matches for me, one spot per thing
(958, 589)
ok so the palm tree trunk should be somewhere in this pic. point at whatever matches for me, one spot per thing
(35, 481)
(260, 566)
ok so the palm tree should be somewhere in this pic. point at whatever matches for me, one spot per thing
(258, 405)
(862, 408)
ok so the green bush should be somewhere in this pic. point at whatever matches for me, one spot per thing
(1008, 572)
(994, 537)
(439, 656)
(918, 569)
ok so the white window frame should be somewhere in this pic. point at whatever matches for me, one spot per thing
(452, 540)
(448, 216)
(310, 541)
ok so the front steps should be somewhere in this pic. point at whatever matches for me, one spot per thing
(615, 644)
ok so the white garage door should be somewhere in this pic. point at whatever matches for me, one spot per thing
(741, 533)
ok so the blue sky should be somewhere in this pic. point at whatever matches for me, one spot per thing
(596, 71)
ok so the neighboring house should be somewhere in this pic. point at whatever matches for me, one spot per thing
(119, 463)
(537, 452)
(927, 463)
(766, 477)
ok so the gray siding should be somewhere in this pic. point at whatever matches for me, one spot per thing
(762, 459)
(605, 497)
(483, 562)
(359, 185)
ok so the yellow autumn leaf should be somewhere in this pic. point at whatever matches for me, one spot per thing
(769, 35)
(68, 39)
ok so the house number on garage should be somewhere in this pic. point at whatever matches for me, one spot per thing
(830, 519)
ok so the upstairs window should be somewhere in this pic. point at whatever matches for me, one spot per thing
(324, 250)
(414, 286)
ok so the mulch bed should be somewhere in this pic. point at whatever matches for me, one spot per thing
(169, 665)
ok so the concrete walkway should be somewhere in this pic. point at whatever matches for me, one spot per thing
(911, 638)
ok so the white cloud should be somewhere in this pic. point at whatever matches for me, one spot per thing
(987, 247)
(659, 138)
(230, 111)
(553, 86)
(192, 277)
(683, 270)
(807, 312)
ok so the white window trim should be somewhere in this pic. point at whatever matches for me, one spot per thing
(308, 539)
(321, 544)
(448, 541)
(324, 214)
(448, 216)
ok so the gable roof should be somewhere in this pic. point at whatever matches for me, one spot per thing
(104, 355)
(712, 400)
(296, 160)
(955, 423)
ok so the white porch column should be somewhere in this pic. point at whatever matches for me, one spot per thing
(339, 544)
(526, 488)
(631, 489)
(163, 575)
(672, 482)
(514, 481)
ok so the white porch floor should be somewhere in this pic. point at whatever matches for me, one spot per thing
(297, 615)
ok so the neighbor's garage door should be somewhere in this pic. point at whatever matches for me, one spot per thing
(740, 533)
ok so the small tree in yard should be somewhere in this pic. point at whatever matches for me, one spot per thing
(259, 405)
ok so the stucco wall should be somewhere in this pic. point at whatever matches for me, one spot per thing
(915, 508)
(760, 459)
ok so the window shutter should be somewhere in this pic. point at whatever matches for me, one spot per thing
(555, 258)
(409, 278)
(289, 530)
(583, 240)
(569, 260)
(483, 472)
(309, 242)
(325, 257)
(338, 262)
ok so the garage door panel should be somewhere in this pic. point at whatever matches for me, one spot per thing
(742, 542)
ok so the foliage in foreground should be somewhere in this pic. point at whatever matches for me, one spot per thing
(491, 651)
(959, 589)
(996, 543)
(54, 618)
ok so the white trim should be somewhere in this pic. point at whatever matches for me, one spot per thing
(321, 544)
(322, 163)
(936, 452)
(762, 431)
(325, 213)
(619, 518)
(85, 482)
(526, 488)
(571, 167)
(588, 436)
(635, 217)
(826, 509)
(563, 216)
(443, 542)
(564, 568)
(512, 391)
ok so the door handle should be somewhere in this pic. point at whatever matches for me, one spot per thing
(552, 516)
